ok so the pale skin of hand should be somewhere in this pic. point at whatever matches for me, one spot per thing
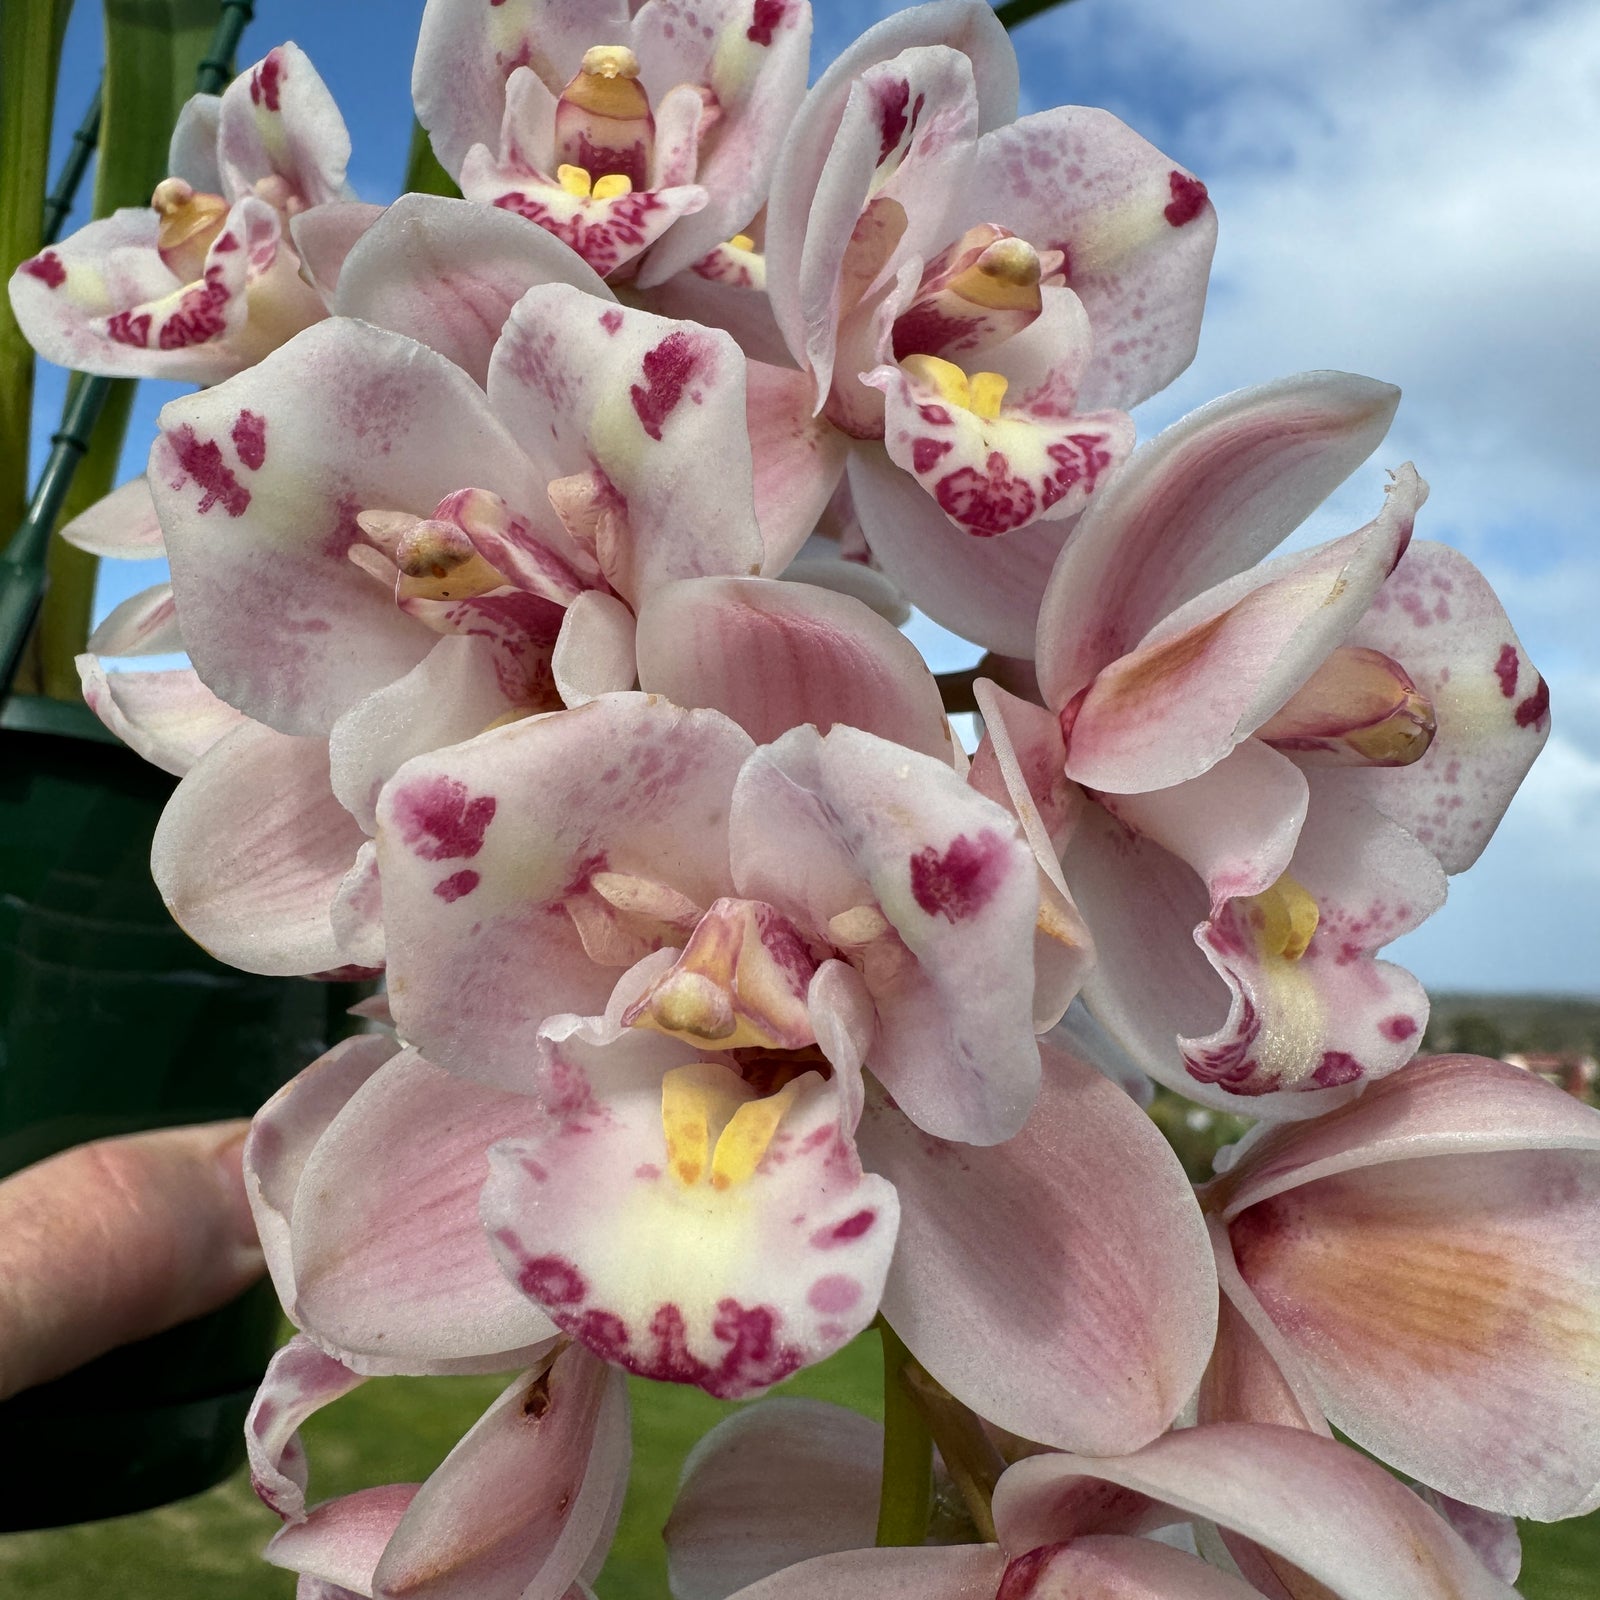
(116, 1240)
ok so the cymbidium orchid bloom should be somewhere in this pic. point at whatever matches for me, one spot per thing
(204, 281)
(525, 1504)
(422, 560)
(1304, 1519)
(977, 300)
(1280, 762)
(1419, 1267)
(643, 137)
(750, 929)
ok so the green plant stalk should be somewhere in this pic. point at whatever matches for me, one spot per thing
(969, 1455)
(154, 49)
(424, 175)
(30, 57)
(905, 1501)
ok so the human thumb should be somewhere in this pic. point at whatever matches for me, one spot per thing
(116, 1240)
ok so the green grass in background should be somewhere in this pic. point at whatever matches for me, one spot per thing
(399, 1429)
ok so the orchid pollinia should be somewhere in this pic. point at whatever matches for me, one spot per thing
(723, 989)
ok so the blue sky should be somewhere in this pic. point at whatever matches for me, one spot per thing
(1407, 188)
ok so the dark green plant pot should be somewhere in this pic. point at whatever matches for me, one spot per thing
(112, 1020)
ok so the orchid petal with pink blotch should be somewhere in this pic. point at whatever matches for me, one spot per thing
(1427, 1255)
(929, 890)
(200, 284)
(567, 881)
(639, 426)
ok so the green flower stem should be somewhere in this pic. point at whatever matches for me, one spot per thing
(968, 1453)
(30, 56)
(906, 1499)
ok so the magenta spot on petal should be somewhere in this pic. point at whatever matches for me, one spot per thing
(1188, 199)
(768, 14)
(988, 502)
(201, 460)
(250, 439)
(893, 98)
(611, 320)
(552, 1281)
(129, 328)
(458, 884)
(1336, 1067)
(925, 453)
(266, 80)
(937, 415)
(1398, 1028)
(198, 317)
(667, 370)
(963, 880)
(1505, 669)
(47, 268)
(605, 1333)
(1535, 708)
(225, 244)
(438, 821)
(834, 1294)
(843, 1232)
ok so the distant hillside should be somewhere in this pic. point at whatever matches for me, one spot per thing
(1491, 1024)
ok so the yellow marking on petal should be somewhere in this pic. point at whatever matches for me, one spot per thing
(988, 390)
(613, 186)
(1284, 918)
(742, 241)
(744, 1141)
(945, 376)
(980, 394)
(575, 180)
(687, 1105)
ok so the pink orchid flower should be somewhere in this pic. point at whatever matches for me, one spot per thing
(769, 1497)
(1279, 763)
(749, 928)
(417, 569)
(525, 1504)
(642, 137)
(204, 281)
(1419, 1268)
(977, 300)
